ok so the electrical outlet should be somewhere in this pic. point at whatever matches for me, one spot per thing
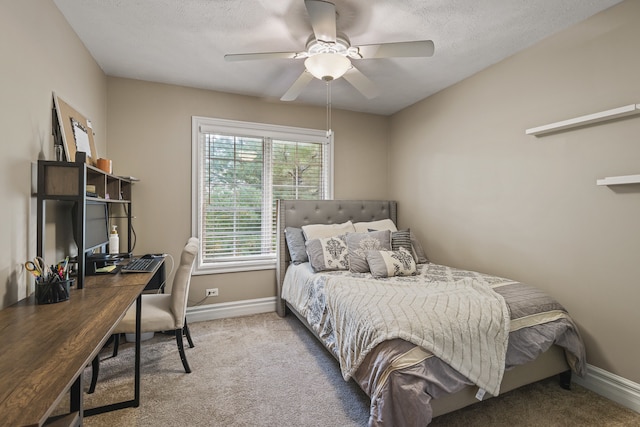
(213, 292)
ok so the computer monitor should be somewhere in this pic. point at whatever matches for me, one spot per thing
(96, 230)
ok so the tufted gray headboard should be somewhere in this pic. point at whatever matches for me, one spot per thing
(296, 213)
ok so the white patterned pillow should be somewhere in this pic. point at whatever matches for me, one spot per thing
(360, 243)
(391, 263)
(328, 253)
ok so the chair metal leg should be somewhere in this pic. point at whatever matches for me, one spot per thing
(110, 340)
(183, 357)
(116, 344)
(95, 363)
(95, 370)
(187, 333)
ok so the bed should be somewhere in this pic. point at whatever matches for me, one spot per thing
(420, 342)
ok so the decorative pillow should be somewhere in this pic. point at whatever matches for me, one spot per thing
(418, 252)
(359, 243)
(295, 243)
(316, 231)
(328, 253)
(383, 224)
(391, 263)
(401, 239)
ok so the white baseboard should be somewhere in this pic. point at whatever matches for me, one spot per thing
(611, 386)
(231, 309)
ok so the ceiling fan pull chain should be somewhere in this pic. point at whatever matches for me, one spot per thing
(328, 107)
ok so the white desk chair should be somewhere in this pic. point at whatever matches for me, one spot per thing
(162, 312)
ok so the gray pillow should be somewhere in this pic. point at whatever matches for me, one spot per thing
(295, 243)
(418, 252)
(328, 253)
(398, 239)
(401, 239)
(358, 245)
(391, 263)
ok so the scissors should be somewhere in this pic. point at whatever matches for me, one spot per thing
(37, 267)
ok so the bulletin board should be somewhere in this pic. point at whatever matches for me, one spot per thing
(75, 130)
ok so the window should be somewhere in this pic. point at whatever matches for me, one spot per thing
(239, 170)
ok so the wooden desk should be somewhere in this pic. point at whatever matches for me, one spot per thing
(45, 348)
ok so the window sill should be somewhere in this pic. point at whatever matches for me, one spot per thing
(233, 267)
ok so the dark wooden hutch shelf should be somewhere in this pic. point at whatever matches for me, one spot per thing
(67, 181)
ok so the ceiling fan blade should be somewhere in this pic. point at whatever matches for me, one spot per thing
(323, 19)
(297, 86)
(361, 82)
(230, 57)
(420, 48)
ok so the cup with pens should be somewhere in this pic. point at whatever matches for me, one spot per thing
(52, 282)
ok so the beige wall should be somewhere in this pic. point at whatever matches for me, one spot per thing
(482, 195)
(150, 138)
(40, 54)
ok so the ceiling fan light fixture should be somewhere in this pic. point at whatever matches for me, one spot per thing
(327, 66)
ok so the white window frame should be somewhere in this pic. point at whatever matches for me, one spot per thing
(248, 129)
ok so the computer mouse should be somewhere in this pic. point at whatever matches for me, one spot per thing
(150, 256)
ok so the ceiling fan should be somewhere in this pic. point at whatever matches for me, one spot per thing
(328, 55)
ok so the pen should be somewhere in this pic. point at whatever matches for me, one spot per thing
(65, 270)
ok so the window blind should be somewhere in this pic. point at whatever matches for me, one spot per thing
(240, 179)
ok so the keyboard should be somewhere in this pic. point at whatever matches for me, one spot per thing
(141, 265)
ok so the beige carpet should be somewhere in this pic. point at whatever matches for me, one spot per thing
(266, 371)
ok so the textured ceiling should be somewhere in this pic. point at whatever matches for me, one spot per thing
(183, 42)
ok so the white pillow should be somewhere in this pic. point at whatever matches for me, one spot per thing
(381, 225)
(391, 263)
(328, 253)
(318, 231)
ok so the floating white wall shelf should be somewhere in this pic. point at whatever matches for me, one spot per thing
(627, 110)
(619, 180)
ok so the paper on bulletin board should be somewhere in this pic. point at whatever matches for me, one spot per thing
(81, 137)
